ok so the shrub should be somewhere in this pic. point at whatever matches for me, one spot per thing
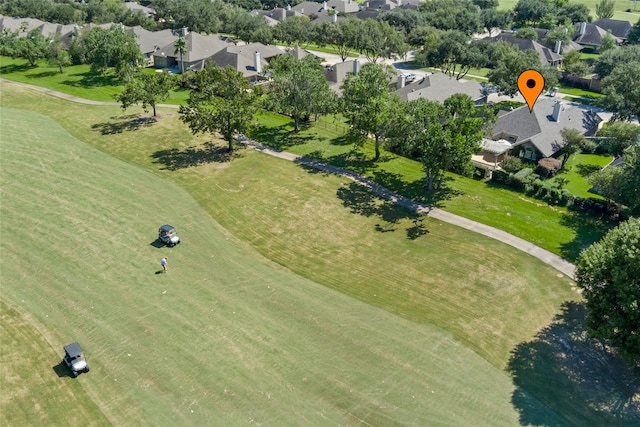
(548, 166)
(511, 164)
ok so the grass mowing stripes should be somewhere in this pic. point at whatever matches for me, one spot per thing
(226, 337)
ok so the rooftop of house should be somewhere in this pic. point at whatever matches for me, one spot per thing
(198, 47)
(547, 56)
(543, 124)
(439, 87)
(617, 27)
(590, 34)
(150, 41)
(135, 7)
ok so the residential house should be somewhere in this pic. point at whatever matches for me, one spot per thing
(379, 5)
(439, 87)
(337, 73)
(152, 41)
(562, 48)
(137, 7)
(619, 29)
(536, 134)
(590, 35)
(343, 6)
(249, 59)
(547, 56)
(199, 48)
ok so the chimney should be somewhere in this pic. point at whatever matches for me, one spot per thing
(557, 108)
(334, 17)
(583, 28)
(558, 48)
(399, 3)
(256, 62)
(356, 66)
(401, 81)
(324, 5)
(302, 11)
(288, 7)
(184, 31)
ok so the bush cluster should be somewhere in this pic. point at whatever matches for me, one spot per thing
(551, 192)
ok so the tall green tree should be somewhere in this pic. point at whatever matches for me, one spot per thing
(180, 47)
(618, 136)
(341, 35)
(621, 184)
(368, 101)
(31, 46)
(221, 101)
(377, 40)
(572, 142)
(634, 34)
(442, 136)
(608, 272)
(622, 91)
(110, 48)
(512, 62)
(294, 31)
(57, 55)
(298, 88)
(146, 89)
(610, 59)
(605, 8)
(607, 42)
(453, 54)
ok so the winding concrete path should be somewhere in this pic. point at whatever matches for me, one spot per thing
(549, 258)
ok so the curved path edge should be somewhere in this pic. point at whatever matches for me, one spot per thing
(544, 255)
(547, 257)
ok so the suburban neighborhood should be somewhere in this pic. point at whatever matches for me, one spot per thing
(382, 221)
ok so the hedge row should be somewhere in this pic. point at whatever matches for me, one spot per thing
(530, 183)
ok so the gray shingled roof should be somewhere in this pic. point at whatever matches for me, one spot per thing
(617, 27)
(439, 87)
(539, 127)
(592, 35)
(198, 47)
(346, 6)
(150, 41)
(547, 56)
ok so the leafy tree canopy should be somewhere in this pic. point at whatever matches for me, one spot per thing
(221, 101)
(609, 274)
(622, 91)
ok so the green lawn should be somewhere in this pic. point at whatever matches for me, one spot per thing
(365, 313)
(553, 228)
(227, 336)
(569, 90)
(620, 7)
(578, 168)
(77, 80)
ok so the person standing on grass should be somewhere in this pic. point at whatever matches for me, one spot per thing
(164, 263)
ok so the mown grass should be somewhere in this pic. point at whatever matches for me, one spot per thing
(272, 348)
(551, 227)
(619, 8)
(227, 336)
(577, 171)
(76, 80)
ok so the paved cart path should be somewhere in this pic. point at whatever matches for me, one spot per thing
(549, 258)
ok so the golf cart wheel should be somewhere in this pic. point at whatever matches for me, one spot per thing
(86, 369)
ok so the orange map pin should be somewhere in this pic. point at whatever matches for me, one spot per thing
(531, 85)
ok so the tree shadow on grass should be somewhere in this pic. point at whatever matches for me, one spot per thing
(563, 377)
(281, 137)
(120, 124)
(15, 68)
(90, 79)
(589, 228)
(174, 159)
(586, 170)
(42, 74)
(362, 201)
